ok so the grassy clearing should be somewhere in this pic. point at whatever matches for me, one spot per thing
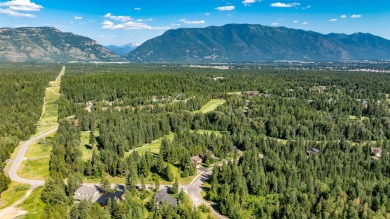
(208, 132)
(86, 148)
(154, 147)
(33, 205)
(211, 105)
(13, 194)
(351, 117)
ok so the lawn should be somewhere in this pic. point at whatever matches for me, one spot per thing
(36, 166)
(33, 205)
(14, 192)
(211, 105)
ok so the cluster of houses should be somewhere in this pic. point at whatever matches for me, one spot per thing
(94, 194)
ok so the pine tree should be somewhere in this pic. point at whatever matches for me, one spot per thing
(175, 187)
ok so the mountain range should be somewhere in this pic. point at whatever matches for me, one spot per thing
(253, 43)
(122, 50)
(228, 43)
(47, 44)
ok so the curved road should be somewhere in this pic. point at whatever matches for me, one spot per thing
(15, 164)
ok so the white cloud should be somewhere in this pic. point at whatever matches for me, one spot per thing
(137, 9)
(304, 23)
(248, 2)
(295, 21)
(207, 14)
(333, 20)
(226, 8)
(285, 5)
(78, 18)
(15, 13)
(343, 16)
(185, 21)
(125, 26)
(118, 18)
(21, 5)
(275, 24)
(356, 16)
(130, 25)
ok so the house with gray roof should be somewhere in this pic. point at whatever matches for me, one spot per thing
(163, 196)
(90, 193)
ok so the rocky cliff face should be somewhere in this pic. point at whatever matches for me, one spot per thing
(47, 44)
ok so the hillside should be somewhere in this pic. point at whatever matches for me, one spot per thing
(251, 43)
(47, 44)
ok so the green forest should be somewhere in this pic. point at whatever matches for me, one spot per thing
(22, 88)
(282, 143)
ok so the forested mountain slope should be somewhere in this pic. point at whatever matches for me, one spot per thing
(253, 43)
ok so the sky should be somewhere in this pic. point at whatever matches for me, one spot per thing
(119, 22)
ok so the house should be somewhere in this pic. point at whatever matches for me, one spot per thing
(163, 196)
(252, 93)
(103, 200)
(90, 193)
(196, 160)
(312, 151)
(376, 152)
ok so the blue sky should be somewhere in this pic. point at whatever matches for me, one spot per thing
(121, 22)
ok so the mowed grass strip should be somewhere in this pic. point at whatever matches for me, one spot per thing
(33, 204)
(14, 192)
(211, 105)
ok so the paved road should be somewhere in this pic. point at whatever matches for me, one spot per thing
(15, 164)
(194, 190)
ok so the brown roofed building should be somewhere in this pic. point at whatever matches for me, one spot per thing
(196, 160)
(376, 152)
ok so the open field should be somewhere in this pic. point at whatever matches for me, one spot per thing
(211, 105)
(33, 205)
(13, 194)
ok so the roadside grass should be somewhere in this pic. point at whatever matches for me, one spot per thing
(35, 169)
(38, 156)
(33, 205)
(211, 105)
(14, 192)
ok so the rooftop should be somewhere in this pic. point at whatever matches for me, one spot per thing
(163, 196)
